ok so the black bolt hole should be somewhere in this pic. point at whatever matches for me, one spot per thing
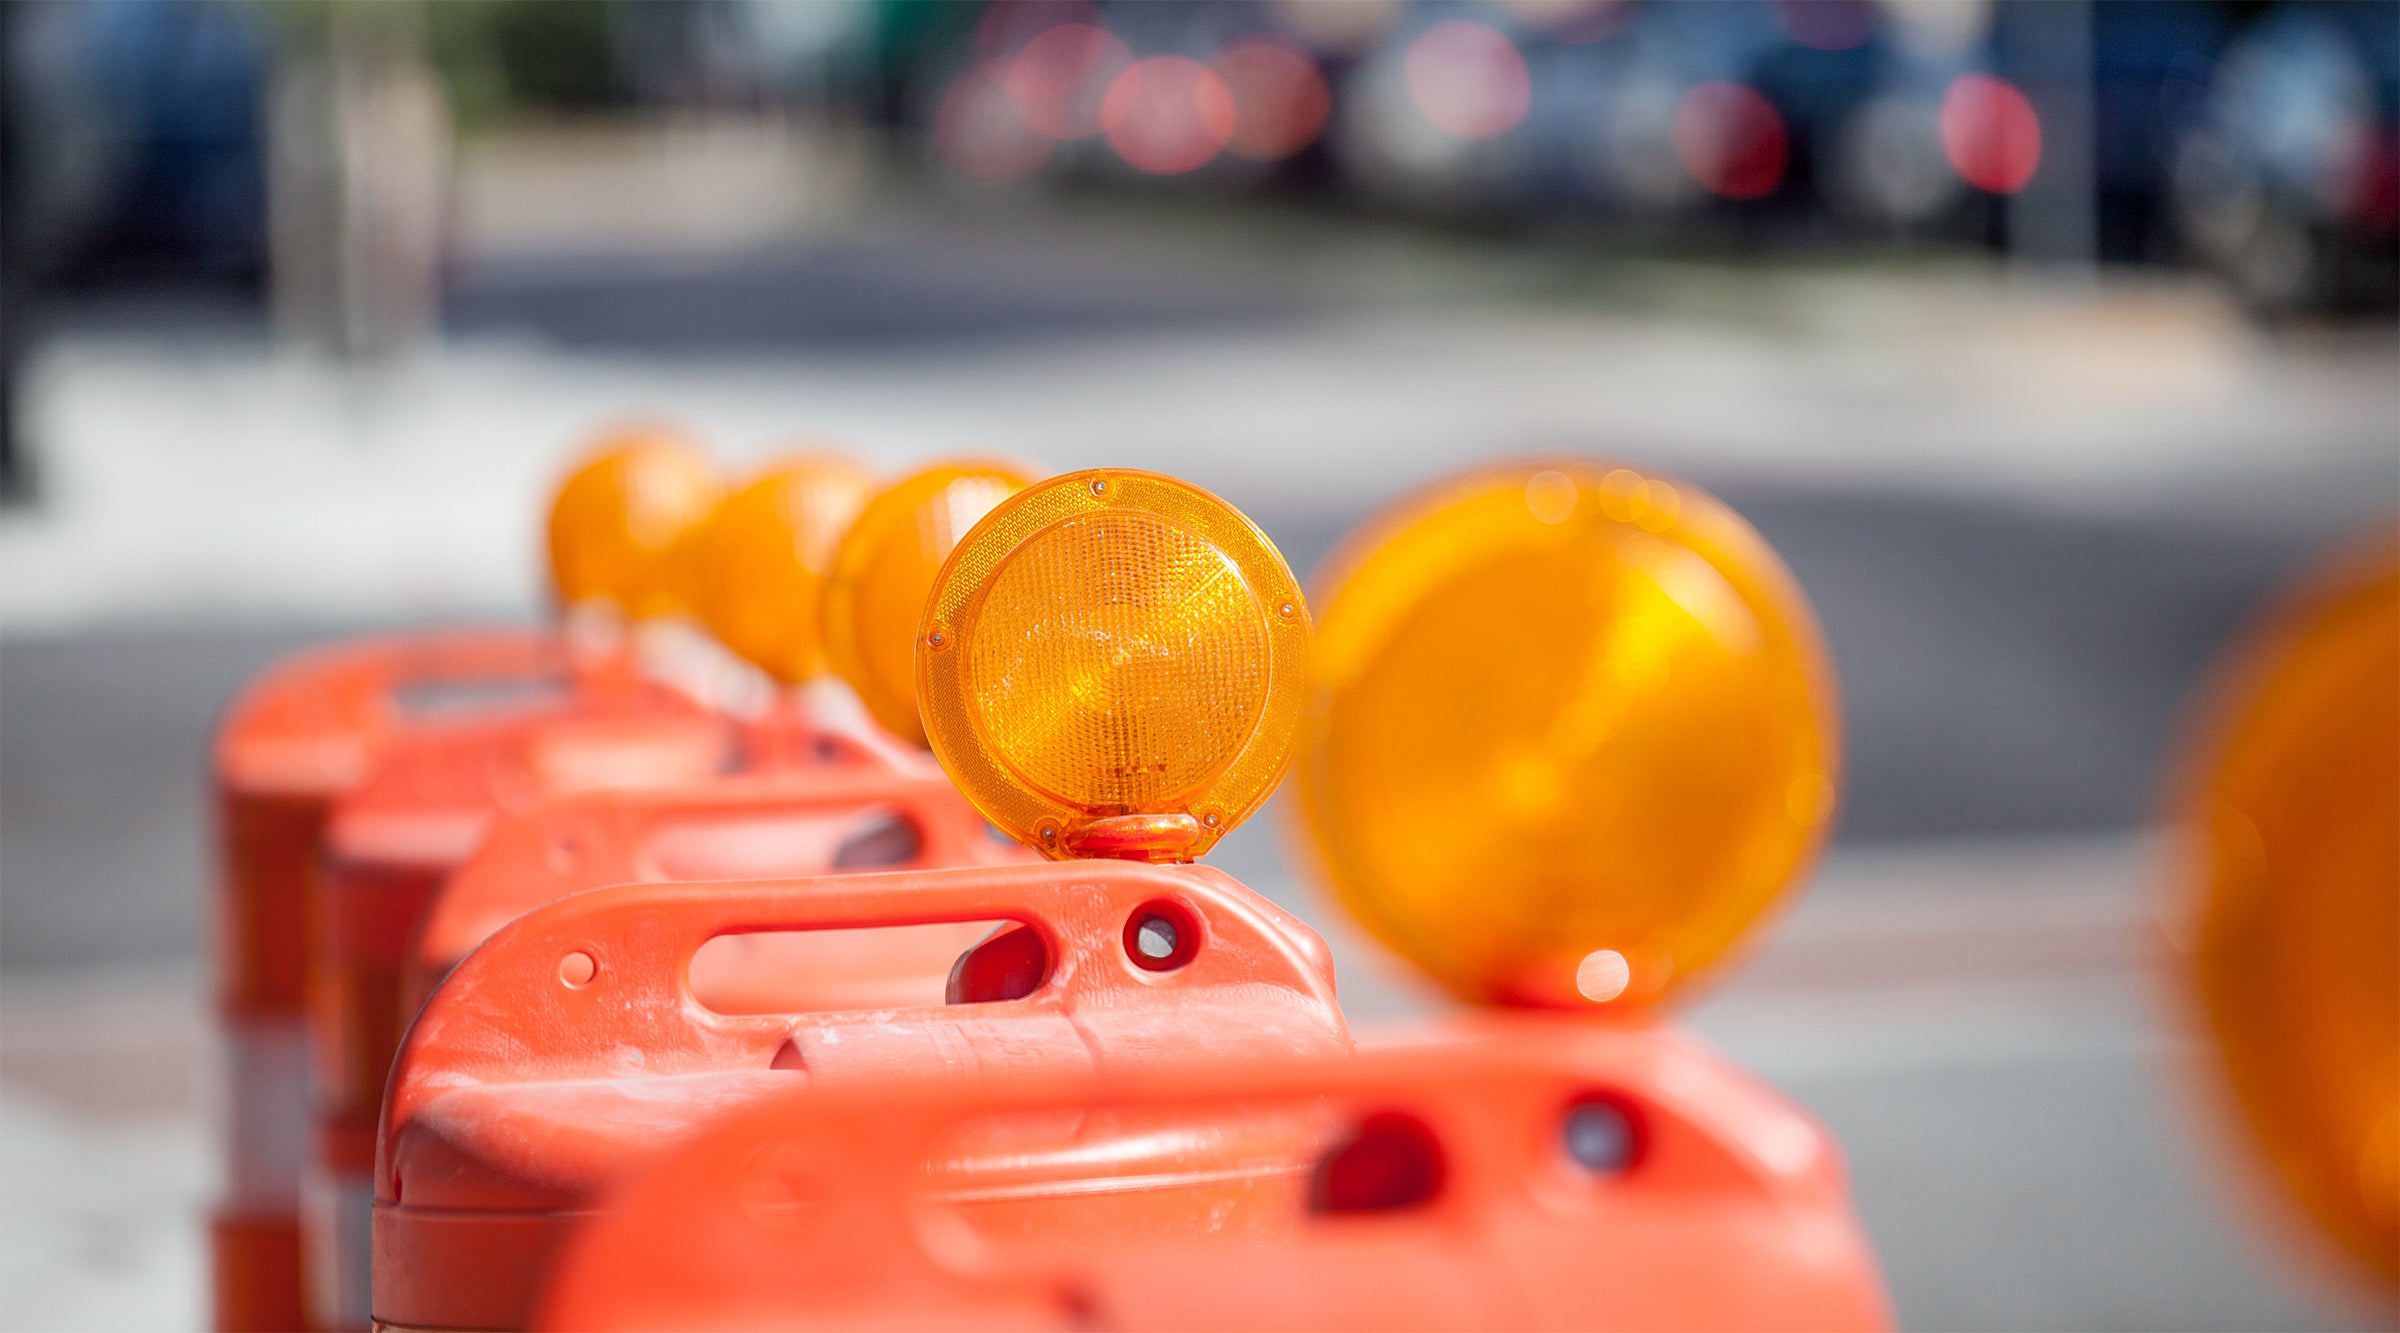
(1162, 936)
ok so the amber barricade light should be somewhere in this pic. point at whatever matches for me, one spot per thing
(757, 570)
(1581, 717)
(1571, 731)
(2289, 835)
(1112, 663)
(1113, 668)
(621, 520)
(883, 570)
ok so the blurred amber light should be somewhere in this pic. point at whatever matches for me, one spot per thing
(2291, 826)
(759, 566)
(620, 521)
(1113, 650)
(884, 569)
(1571, 731)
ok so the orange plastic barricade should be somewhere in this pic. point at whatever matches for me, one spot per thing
(388, 846)
(1530, 1172)
(302, 735)
(750, 826)
(570, 1048)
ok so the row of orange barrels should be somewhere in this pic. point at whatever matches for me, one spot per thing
(596, 976)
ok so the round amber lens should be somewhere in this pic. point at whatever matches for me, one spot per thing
(1571, 731)
(1108, 645)
(621, 519)
(2291, 835)
(883, 570)
(758, 569)
(1119, 662)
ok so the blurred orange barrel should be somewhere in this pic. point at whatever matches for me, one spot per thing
(571, 1048)
(388, 846)
(302, 735)
(1520, 1171)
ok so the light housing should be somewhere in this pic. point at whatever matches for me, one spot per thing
(1571, 730)
(619, 522)
(2289, 843)
(758, 569)
(884, 568)
(1112, 663)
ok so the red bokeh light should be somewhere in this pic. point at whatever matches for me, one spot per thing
(1280, 99)
(1468, 79)
(1168, 115)
(1991, 133)
(1058, 77)
(1731, 139)
(978, 130)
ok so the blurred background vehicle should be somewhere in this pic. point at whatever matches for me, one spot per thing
(2043, 339)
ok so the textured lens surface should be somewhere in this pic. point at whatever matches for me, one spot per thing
(1118, 661)
(1113, 643)
(1562, 710)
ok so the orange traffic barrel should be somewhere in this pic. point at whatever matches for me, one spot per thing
(388, 845)
(1520, 1171)
(1110, 666)
(301, 736)
(310, 731)
(643, 530)
(771, 825)
(572, 1046)
(619, 528)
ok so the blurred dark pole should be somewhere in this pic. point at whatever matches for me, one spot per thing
(358, 170)
(2053, 223)
(16, 482)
